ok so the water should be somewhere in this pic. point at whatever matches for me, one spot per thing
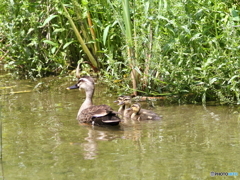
(41, 138)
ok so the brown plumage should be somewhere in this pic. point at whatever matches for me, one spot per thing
(89, 113)
(125, 103)
(122, 106)
(99, 115)
(142, 114)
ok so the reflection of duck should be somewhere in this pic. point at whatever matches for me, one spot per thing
(89, 113)
(95, 134)
(142, 114)
(125, 103)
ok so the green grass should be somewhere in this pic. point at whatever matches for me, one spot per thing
(187, 49)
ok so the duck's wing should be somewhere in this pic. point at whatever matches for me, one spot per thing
(149, 115)
(99, 115)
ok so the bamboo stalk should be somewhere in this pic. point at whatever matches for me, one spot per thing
(86, 24)
(81, 41)
(92, 30)
(129, 42)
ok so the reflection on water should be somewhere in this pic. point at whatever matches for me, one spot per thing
(96, 134)
(42, 139)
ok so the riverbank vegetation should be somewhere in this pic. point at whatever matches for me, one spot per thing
(184, 49)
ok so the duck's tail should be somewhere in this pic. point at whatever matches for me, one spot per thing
(110, 119)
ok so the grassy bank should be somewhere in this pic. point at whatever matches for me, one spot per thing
(176, 48)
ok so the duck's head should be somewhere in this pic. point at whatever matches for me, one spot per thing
(85, 82)
(127, 100)
(124, 100)
(119, 100)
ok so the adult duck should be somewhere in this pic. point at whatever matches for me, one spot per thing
(88, 113)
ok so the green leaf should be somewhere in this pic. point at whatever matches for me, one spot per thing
(53, 50)
(138, 70)
(48, 20)
(59, 30)
(232, 78)
(198, 68)
(196, 36)
(105, 34)
(211, 81)
(30, 30)
(50, 42)
(67, 44)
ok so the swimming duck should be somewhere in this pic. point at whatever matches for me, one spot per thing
(125, 103)
(142, 114)
(122, 106)
(92, 114)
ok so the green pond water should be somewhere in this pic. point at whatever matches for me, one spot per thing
(41, 138)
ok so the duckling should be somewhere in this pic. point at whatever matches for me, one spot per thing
(142, 114)
(125, 103)
(89, 113)
(122, 106)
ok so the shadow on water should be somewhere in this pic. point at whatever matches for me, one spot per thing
(42, 139)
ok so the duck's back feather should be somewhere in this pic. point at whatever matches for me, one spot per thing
(99, 115)
(145, 114)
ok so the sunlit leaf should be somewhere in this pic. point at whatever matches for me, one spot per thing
(232, 78)
(59, 30)
(30, 30)
(138, 70)
(50, 42)
(48, 20)
(211, 81)
(53, 50)
(196, 36)
(67, 44)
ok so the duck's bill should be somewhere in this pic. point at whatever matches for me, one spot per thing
(120, 103)
(73, 87)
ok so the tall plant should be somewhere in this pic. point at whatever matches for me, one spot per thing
(93, 61)
(129, 43)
